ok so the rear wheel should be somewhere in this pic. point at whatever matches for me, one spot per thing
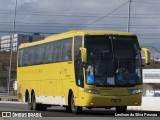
(121, 109)
(36, 106)
(29, 103)
(72, 107)
(33, 102)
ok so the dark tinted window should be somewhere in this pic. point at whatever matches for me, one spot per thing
(32, 56)
(39, 54)
(48, 53)
(26, 56)
(77, 45)
(78, 63)
(57, 51)
(20, 57)
(67, 48)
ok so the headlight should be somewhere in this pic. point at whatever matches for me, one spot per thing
(91, 91)
(135, 91)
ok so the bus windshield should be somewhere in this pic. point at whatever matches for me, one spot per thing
(113, 61)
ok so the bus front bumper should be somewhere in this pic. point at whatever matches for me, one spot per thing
(95, 100)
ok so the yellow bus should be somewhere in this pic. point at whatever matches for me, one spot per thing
(80, 68)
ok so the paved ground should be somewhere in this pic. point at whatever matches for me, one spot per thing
(149, 104)
(61, 112)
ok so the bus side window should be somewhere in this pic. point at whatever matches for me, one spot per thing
(57, 57)
(32, 56)
(67, 48)
(54, 52)
(36, 54)
(48, 53)
(39, 54)
(26, 60)
(20, 58)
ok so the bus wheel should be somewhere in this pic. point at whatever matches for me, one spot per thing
(121, 109)
(29, 103)
(74, 109)
(33, 102)
(36, 106)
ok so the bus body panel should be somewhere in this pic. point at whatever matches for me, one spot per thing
(52, 82)
(91, 100)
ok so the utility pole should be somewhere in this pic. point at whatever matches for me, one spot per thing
(129, 15)
(11, 48)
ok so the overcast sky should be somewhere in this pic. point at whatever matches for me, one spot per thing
(55, 16)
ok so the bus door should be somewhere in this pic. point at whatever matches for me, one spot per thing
(78, 66)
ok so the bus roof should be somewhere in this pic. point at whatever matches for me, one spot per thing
(75, 33)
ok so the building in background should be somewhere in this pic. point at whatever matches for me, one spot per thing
(151, 89)
(151, 82)
(5, 41)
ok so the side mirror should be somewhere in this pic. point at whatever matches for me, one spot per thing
(83, 54)
(147, 55)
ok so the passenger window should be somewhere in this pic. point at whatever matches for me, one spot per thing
(20, 57)
(48, 53)
(57, 55)
(32, 56)
(67, 48)
(26, 57)
(40, 54)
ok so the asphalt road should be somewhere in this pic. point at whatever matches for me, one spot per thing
(60, 112)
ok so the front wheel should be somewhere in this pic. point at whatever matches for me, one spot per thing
(75, 109)
(121, 109)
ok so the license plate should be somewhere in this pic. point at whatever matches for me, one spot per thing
(116, 100)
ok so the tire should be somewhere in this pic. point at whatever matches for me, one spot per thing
(121, 109)
(29, 103)
(36, 106)
(33, 102)
(73, 108)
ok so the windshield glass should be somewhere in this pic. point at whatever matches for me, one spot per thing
(113, 61)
